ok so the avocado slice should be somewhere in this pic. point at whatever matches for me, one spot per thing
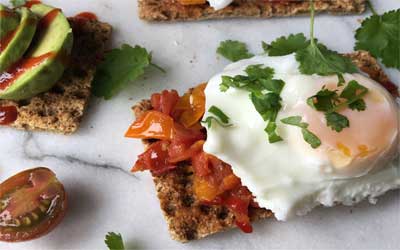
(44, 62)
(9, 20)
(17, 41)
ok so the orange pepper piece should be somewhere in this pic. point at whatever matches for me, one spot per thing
(152, 125)
(192, 105)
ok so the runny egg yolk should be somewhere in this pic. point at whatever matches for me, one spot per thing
(371, 136)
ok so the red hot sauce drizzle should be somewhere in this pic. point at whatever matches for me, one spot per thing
(8, 115)
(86, 16)
(9, 77)
(29, 4)
(45, 21)
(7, 39)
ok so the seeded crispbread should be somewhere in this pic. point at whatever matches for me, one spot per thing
(172, 10)
(61, 109)
(186, 217)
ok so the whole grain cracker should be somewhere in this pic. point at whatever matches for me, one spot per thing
(61, 109)
(172, 10)
(189, 219)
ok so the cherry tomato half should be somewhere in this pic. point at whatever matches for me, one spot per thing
(32, 203)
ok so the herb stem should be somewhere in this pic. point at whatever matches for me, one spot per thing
(371, 7)
(312, 13)
(158, 67)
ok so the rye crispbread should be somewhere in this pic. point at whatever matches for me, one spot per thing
(186, 217)
(172, 10)
(61, 109)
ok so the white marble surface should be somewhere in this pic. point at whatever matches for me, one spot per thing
(94, 163)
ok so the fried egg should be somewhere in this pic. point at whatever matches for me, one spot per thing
(290, 177)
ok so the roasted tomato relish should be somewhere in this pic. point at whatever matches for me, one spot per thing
(174, 122)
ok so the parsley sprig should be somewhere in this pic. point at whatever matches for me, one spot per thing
(380, 35)
(218, 116)
(330, 102)
(264, 93)
(308, 136)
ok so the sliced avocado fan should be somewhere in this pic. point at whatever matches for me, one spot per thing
(9, 20)
(44, 62)
(17, 40)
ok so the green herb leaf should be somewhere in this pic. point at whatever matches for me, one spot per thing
(114, 241)
(358, 105)
(219, 116)
(318, 59)
(341, 80)
(267, 105)
(353, 91)
(271, 132)
(17, 3)
(325, 100)
(311, 138)
(295, 121)
(337, 121)
(258, 81)
(380, 36)
(255, 72)
(120, 67)
(286, 45)
(218, 113)
(234, 50)
(308, 136)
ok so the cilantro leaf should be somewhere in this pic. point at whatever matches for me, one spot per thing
(257, 80)
(267, 105)
(17, 3)
(311, 138)
(271, 131)
(329, 101)
(337, 121)
(264, 93)
(219, 116)
(380, 35)
(353, 91)
(318, 59)
(255, 72)
(308, 136)
(114, 241)
(325, 100)
(294, 121)
(358, 105)
(120, 67)
(234, 50)
(286, 45)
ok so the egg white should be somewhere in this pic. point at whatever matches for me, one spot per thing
(219, 4)
(289, 177)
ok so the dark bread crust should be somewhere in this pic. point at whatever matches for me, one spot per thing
(61, 109)
(186, 217)
(172, 10)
